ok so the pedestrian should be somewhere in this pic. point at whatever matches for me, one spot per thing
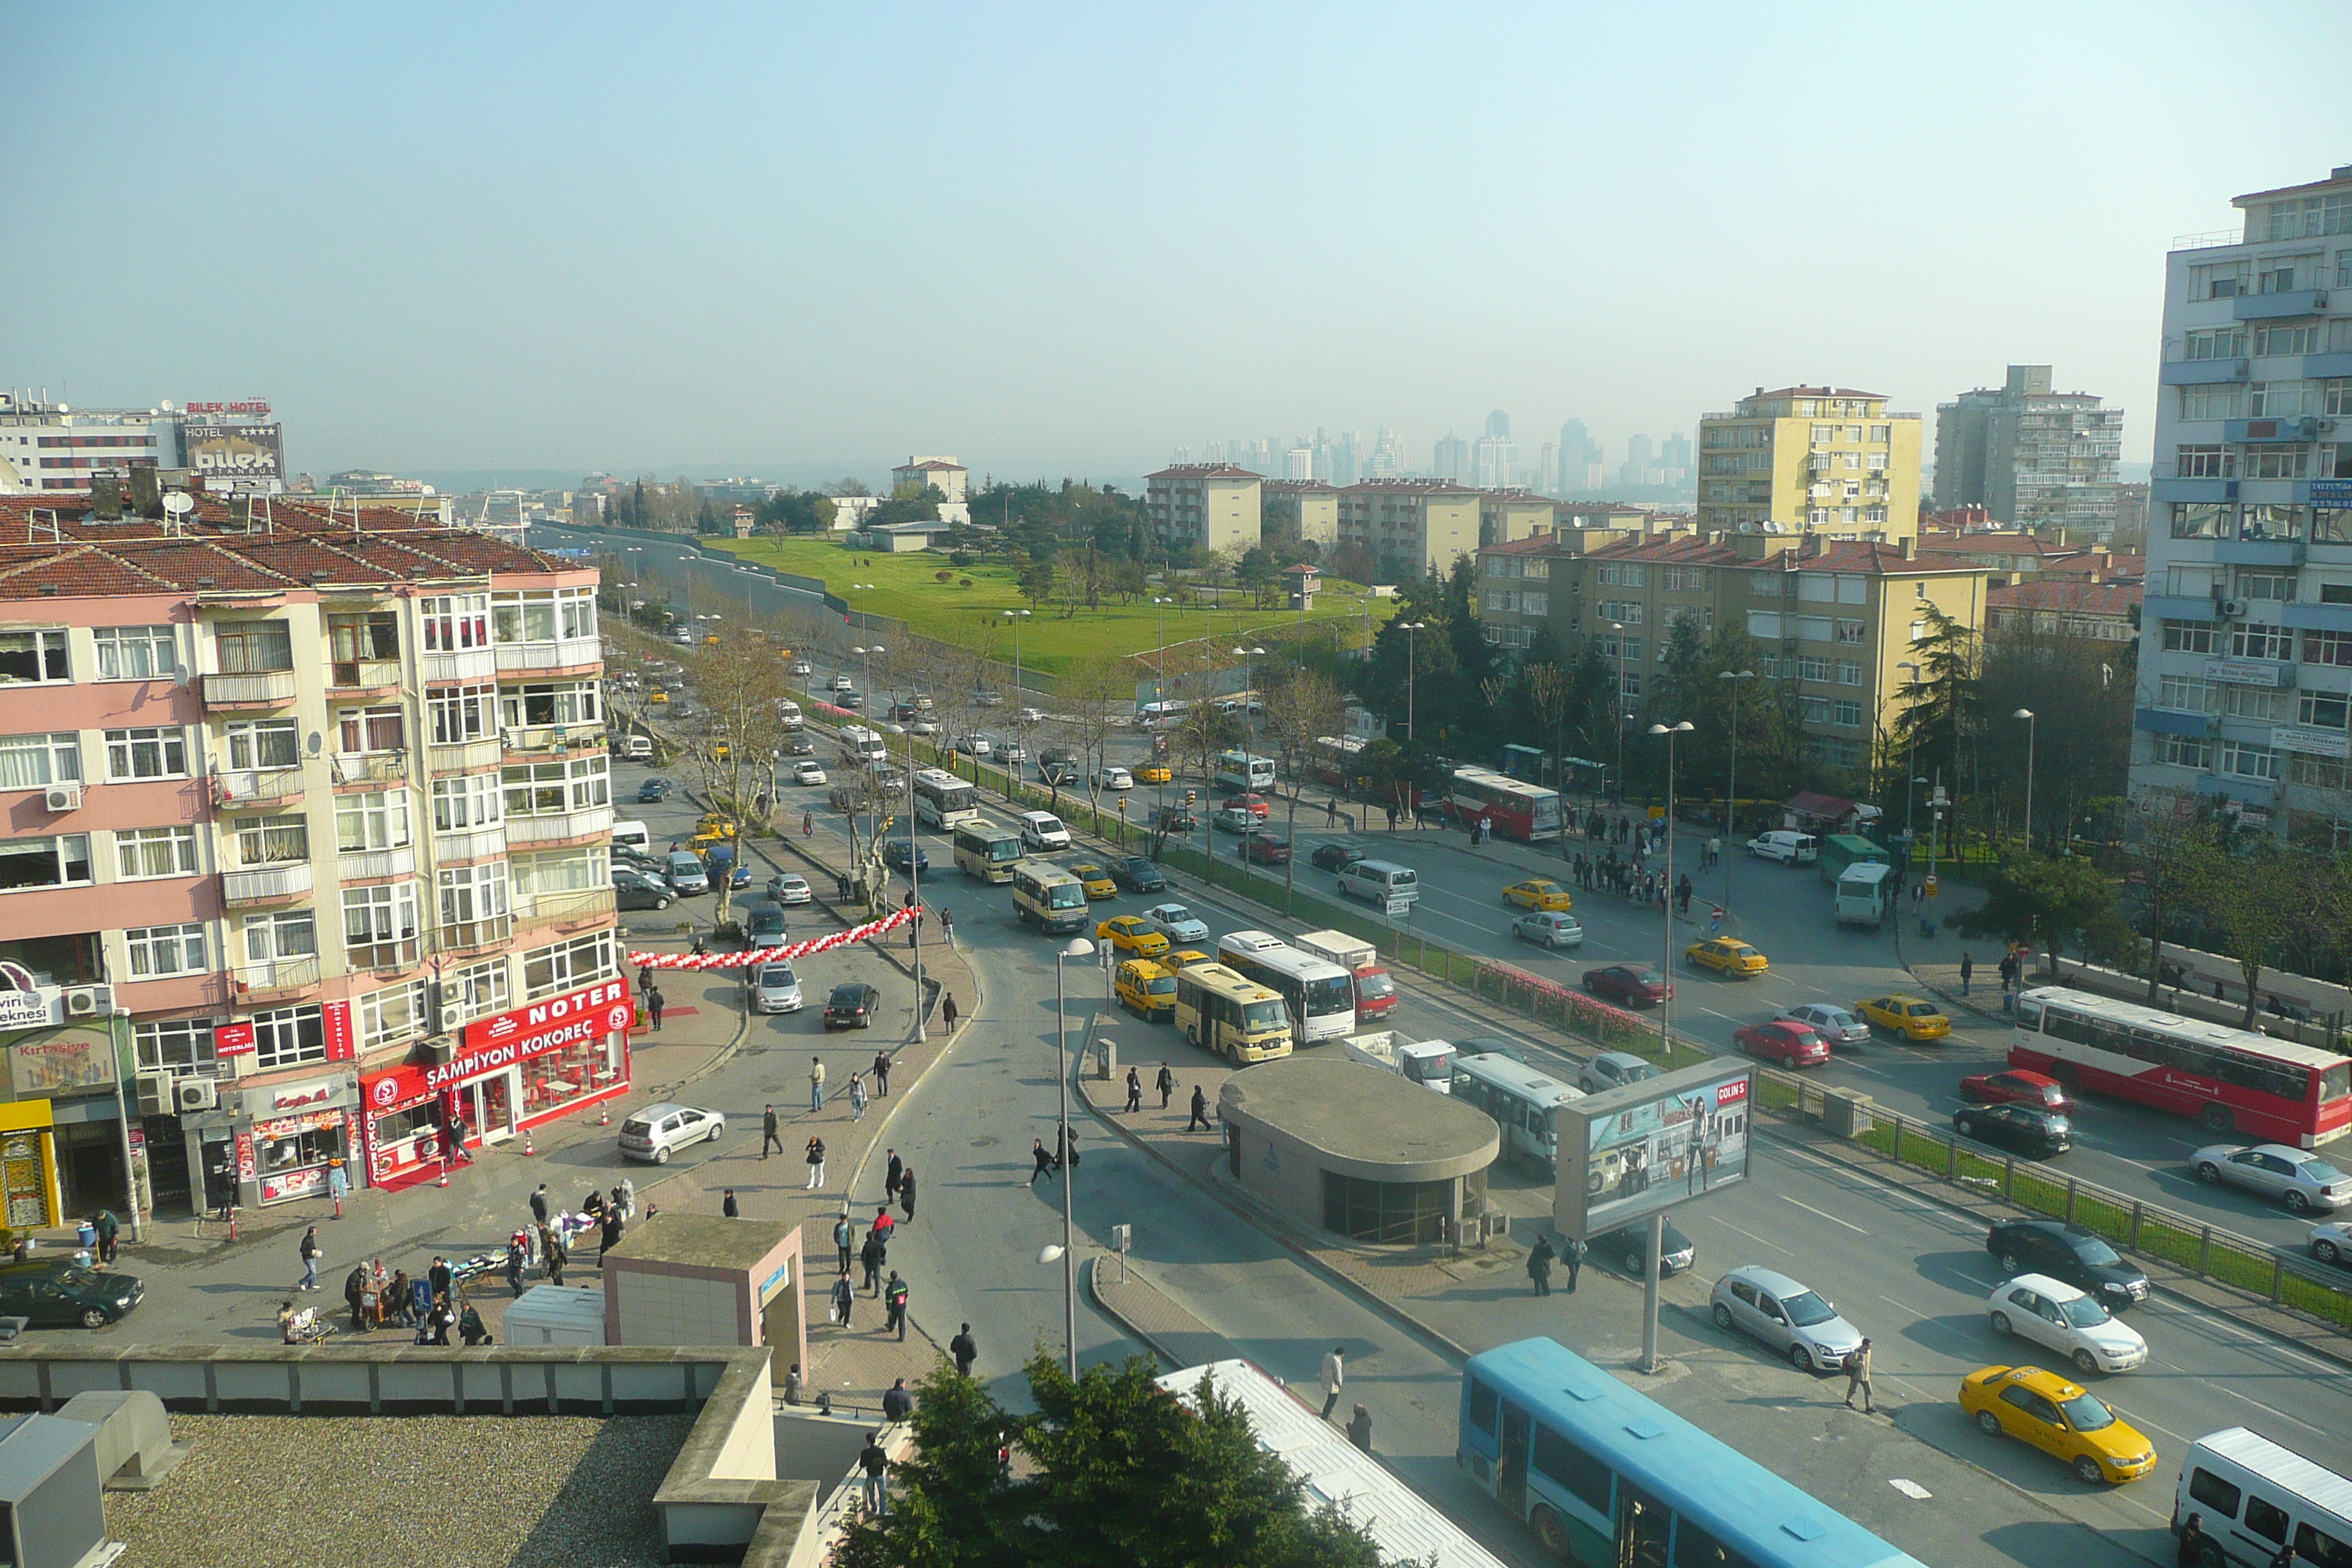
(840, 888)
(2193, 1542)
(1573, 1255)
(947, 930)
(729, 1208)
(1857, 1376)
(894, 1301)
(538, 1205)
(1134, 1090)
(898, 1403)
(557, 1255)
(948, 1014)
(857, 1096)
(907, 1194)
(625, 1197)
(644, 978)
(876, 1479)
(514, 1266)
(768, 1133)
(1044, 1158)
(816, 1164)
(882, 1074)
(110, 1233)
(439, 1279)
(1968, 971)
(965, 1348)
(1330, 810)
(893, 1176)
(870, 1258)
(1714, 852)
(608, 1233)
(1918, 894)
(355, 1286)
(844, 1300)
(1359, 1429)
(1200, 1111)
(1334, 1375)
(816, 1083)
(1539, 1258)
(883, 1225)
(653, 1006)
(1166, 1084)
(844, 1236)
(793, 1384)
(309, 1250)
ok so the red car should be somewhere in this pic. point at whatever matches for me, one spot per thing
(1256, 804)
(1791, 1043)
(1628, 984)
(1265, 849)
(2015, 1086)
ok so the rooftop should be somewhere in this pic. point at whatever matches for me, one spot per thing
(1679, 549)
(2076, 597)
(2339, 175)
(1411, 487)
(1533, 544)
(1364, 1121)
(700, 1241)
(1300, 487)
(1203, 471)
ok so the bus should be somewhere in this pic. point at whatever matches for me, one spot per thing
(1239, 772)
(944, 801)
(1333, 759)
(1523, 1101)
(2230, 1080)
(1319, 995)
(1606, 1475)
(1050, 897)
(1401, 1524)
(1526, 811)
(1220, 1011)
(986, 849)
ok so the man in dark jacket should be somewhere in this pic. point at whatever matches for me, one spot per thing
(871, 1256)
(965, 1350)
(439, 1277)
(1166, 1085)
(1539, 1258)
(894, 1297)
(1200, 1111)
(898, 1403)
(890, 1177)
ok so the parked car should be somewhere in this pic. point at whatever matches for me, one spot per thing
(789, 888)
(1726, 955)
(896, 853)
(2024, 1129)
(1782, 1040)
(1264, 848)
(1794, 1321)
(1178, 819)
(1132, 935)
(641, 860)
(775, 989)
(660, 1130)
(1838, 1026)
(2331, 1242)
(1611, 1068)
(2044, 1411)
(636, 890)
(1912, 1017)
(852, 1005)
(1536, 893)
(1549, 928)
(59, 1292)
(1628, 984)
(2296, 1177)
(2016, 1086)
(2067, 1252)
(1176, 922)
(1095, 881)
(1789, 848)
(1138, 874)
(1333, 857)
(809, 771)
(684, 871)
(653, 791)
(2057, 1316)
(1629, 1249)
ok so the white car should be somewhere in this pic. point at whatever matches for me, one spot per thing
(2296, 1177)
(975, 746)
(789, 888)
(1176, 922)
(658, 1131)
(1031, 716)
(2332, 1242)
(2054, 1314)
(1109, 777)
(1838, 1026)
(843, 683)
(806, 771)
(775, 989)
(1014, 752)
(803, 667)
(1041, 830)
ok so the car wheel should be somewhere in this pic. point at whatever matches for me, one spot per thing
(2208, 1172)
(1801, 1359)
(2296, 1202)
(661, 1156)
(715, 1132)
(2001, 1324)
(2085, 1362)
(2216, 1119)
(2087, 1469)
(2324, 1250)
(93, 1317)
(1967, 1126)
(2011, 1266)
(1723, 1317)
(1552, 1531)
(1988, 1423)
(1633, 1264)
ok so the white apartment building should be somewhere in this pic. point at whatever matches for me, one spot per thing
(1209, 506)
(49, 447)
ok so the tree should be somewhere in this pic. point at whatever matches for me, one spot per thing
(1301, 707)
(1945, 705)
(739, 681)
(2262, 900)
(2172, 864)
(1352, 561)
(1087, 698)
(2060, 901)
(1038, 582)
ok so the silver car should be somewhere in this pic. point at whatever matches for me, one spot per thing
(2296, 1177)
(660, 1130)
(1838, 1026)
(1551, 927)
(1784, 1314)
(1611, 1068)
(775, 989)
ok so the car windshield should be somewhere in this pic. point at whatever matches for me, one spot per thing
(847, 996)
(2082, 1312)
(2090, 1249)
(1175, 914)
(1372, 987)
(2086, 1413)
(77, 1278)
(776, 975)
(1642, 977)
(1066, 895)
(1809, 1309)
(1265, 1016)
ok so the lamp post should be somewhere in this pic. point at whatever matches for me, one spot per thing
(2027, 714)
(1077, 947)
(1016, 617)
(1249, 718)
(1617, 705)
(868, 654)
(1666, 1006)
(1731, 801)
(1410, 627)
(914, 881)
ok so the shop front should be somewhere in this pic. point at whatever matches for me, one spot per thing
(270, 1143)
(28, 1166)
(70, 1072)
(509, 1073)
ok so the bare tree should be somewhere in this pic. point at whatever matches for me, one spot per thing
(1089, 702)
(1301, 707)
(739, 681)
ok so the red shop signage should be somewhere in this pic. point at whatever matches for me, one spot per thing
(512, 1037)
(232, 1039)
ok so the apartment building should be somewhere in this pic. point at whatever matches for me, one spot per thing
(1811, 459)
(2245, 667)
(941, 472)
(1412, 527)
(2067, 607)
(309, 850)
(48, 447)
(2031, 458)
(1316, 505)
(1512, 512)
(1209, 506)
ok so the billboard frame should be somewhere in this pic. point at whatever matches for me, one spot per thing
(1660, 1139)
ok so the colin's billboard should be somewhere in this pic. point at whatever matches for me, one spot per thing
(249, 453)
(1629, 1153)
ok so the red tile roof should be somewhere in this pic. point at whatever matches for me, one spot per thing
(2112, 599)
(1203, 471)
(1677, 550)
(1533, 544)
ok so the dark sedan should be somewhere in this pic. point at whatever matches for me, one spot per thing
(1174, 819)
(1265, 849)
(1628, 984)
(1629, 1249)
(895, 852)
(1335, 857)
(2069, 1252)
(653, 791)
(852, 1005)
(1138, 874)
(2026, 1128)
(61, 1293)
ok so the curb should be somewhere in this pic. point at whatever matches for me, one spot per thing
(1121, 1318)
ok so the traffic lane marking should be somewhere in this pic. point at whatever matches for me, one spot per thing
(1831, 1218)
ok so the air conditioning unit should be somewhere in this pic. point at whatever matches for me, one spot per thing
(2232, 609)
(63, 797)
(88, 1001)
(195, 1094)
(157, 1095)
(452, 1020)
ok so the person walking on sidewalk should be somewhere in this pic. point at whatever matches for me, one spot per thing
(538, 1207)
(653, 1006)
(891, 1177)
(1539, 1258)
(844, 1301)
(1166, 1084)
(1335, 1377)
(965, 1348)
(816, 1083)
(876, 1479)
(882, 1074)
(554, 1256)
(857, 1096)
(871, 1258)
(947, 927)
(815, 1162)
(1044, 1158)
(948, 1014)
(1857, 1377)
(894, 1302)
(907, 1194)
(514, 1272)
(1573, 1255)
(1968, 971)
(1134, 1090)
(729, 1208)
(845, 1237)
(768, 1133)
(1200, 1111)
(310, 1250)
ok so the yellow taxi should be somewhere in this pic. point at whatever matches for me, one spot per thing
(1185, 958)
(1146, 989)
(1096, 880)
(1908, 1017)
(2045, 1411)
(1726, 956)
(1536, 893)
(1129, 933)
(1154, 774)
(657, 695)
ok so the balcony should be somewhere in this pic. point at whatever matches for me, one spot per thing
(2261, 431)
(258, 786)
(368, 770)
(2322, 366)
(545, 657)
(275, 980)
(2307, 616)
(2268, 307)
(553, 739)
(2258, 552)
(267, 689)
(2165, 722)
(374, 864)
(2165, 491)
(474, 936)
(2203, 371)
(265, 885)
(477, 844)
(466, 757)
(392, 956)
(2177, 607)
(575, 906)
(562, 827)
(467, 664)
(361, 677)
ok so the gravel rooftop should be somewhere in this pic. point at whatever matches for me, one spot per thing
(291, 1491)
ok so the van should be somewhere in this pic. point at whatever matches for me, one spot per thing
(1041, 830)
(863, 744)
(1377, 882)
(637, 748)
(1789, 848)
(1146, 989)
(789, 715)
(2257, 1497)
(632, 836)
(765, 927)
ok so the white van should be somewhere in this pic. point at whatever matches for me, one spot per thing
(1377, 882)
(1787, 847)
(636, 748)
(632, 836)
(864, 744)
(2257, 1497)
(789, 715)
(1041, 830)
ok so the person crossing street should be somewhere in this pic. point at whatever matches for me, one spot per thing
(768, 1132)
(1166, 1084)
(1200, 1111)
(1044, 1158)
(1857, 1377)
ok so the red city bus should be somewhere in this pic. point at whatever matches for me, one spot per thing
(1518, 809)
(2230, 1080)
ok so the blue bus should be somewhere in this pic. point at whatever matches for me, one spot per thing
(1609, 1477)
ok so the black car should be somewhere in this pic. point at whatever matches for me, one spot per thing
(1630, 1248)
(895, 852)
(1138, 874)
(2066, 1252)
(1174, 819)
(851, 1006)
(653, 791)
(1265, 849)
(2028, 1129)
(1335, 857)
(61, 1293)
(635, 889)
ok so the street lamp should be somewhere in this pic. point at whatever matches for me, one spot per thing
(914, 880)
(2027, 714)
(1731, 801)
(1617, 706)
(1665, 1045)
(1410, 627)
(1077, 947)
(868, 654)
(1017, 617)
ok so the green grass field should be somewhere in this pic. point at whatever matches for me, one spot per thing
(905, 586)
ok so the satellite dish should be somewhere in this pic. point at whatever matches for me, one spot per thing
(317, 742)
(167, 405)
(179, 501)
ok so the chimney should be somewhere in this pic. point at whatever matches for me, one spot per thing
(1910, 547)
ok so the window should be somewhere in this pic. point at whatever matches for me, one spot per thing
(1695, 1547)
(567, 871)
(2322, 710)
(560, 702)
(2219, 279)
(2327, 648)
(477, 989)
(253, 648)
(2204, 520)
(567, 965)
(546, 789)
(2286, 338)
(467, 801)
(160, 950)
(265, 743)
(1565, 1465)
(2215, 342)
(136, 653)
(2189, 637)
(2317, 1547)
(2221, 400)
(1880, 434)
(353, 639)
(461, 713)
(377, 820)
(1849, 673)
(288, 1037)
(2276, 399)
(2186, 694)
(182, 1046)
(2184, 751)
(161, 754)
(2263, 702)
(36, 761)
(2332, 525)
(2334, 460)
(2276, 587)
(454, 622)
(2265, 1517)
(2201, 463)
(272, 840)
(2270, 521)
(2248, 760)
(26, 658)
(377, 920)
(2276, 462)
(1849, 632)
(1847, 715)
(1810, 668)
(2314, 772)
(1627, 611)
(2335, 396)
(2260, 642)
(143, 852)
(288, 934)
(471, 893)
(1629, 686)
(544, 614)
(381, 727)
(392, 1015)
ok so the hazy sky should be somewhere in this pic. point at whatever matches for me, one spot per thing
(1066, 240)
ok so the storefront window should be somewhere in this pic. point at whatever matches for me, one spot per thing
(293, 1154)
(554, 1080)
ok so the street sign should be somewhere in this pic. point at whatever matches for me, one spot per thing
(1397, 907)
(1714, 922)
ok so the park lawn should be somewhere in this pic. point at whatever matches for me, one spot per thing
(905, 586)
